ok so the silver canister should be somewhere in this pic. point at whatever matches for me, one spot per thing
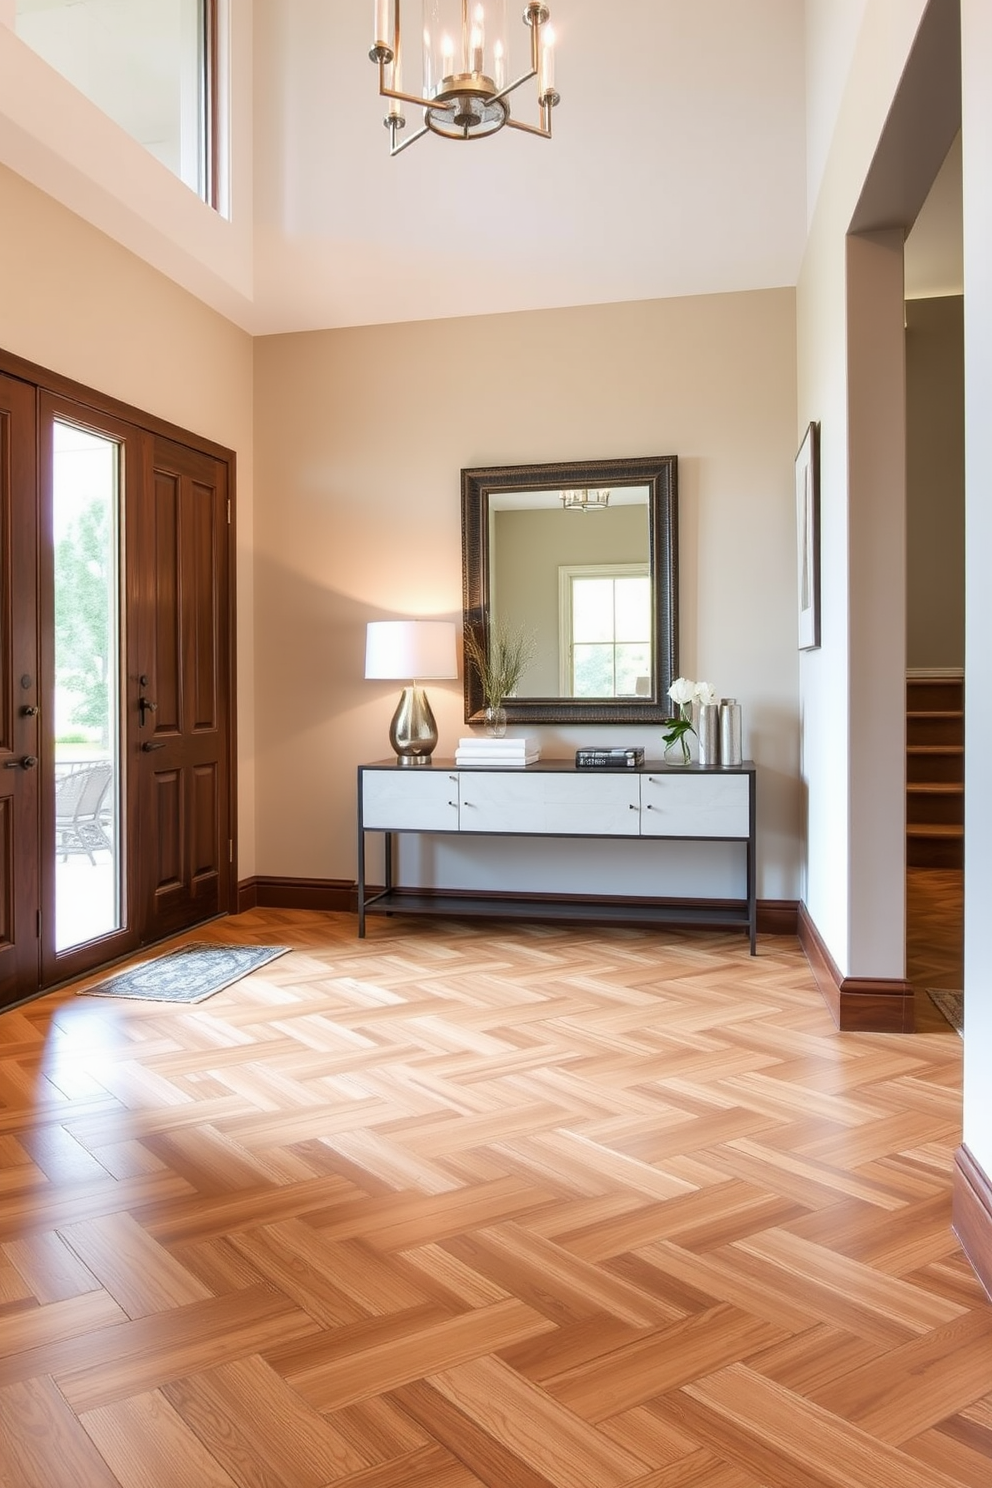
(730, 732)
(708, 733)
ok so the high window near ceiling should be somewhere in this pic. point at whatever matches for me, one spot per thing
(150, 65)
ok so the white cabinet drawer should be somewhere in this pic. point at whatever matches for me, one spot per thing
(415, 800)
(549, 803)
(693, 805)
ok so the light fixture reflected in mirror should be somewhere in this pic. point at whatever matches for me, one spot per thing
(399, 649)
(585, 501)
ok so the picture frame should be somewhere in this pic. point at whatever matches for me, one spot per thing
(808, 538)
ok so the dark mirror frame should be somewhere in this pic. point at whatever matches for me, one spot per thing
(660, 474)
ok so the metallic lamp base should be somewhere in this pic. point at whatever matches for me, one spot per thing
(413, 731)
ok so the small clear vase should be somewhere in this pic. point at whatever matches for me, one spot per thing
(495, 720)
(677, 752)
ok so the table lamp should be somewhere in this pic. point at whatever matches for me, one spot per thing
(400, 649)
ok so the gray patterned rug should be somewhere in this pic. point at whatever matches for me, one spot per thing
(190, 974)
(951, 1004)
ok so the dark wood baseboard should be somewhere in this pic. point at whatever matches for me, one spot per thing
(971, 1216)
(778, 916)
(775, 916)
(857, 1004)
(327, 894)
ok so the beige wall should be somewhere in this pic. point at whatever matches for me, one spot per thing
(976, 51)
(935, 482)
(74, 301)
(360, 437)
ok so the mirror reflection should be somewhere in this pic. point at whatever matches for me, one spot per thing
(572, 568)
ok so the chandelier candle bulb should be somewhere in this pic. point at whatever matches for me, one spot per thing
(708, 733)
(383, 34)
(546, 84)
(479, 40)
(395, 107)
(730, 732)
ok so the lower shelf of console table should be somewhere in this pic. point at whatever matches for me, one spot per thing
(554, 799)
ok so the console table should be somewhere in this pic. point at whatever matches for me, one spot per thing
(555, 799)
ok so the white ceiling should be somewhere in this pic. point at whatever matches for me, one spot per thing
(935, 246)
(677, 167)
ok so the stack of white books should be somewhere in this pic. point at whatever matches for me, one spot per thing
(497, 752)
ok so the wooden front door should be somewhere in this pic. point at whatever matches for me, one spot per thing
(179, 689)
(19, 695)
(86, 490)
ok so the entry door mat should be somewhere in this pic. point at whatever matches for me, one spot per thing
(189, 974)
(951, 1004)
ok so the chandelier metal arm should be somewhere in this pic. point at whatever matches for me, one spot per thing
(413, 98)
(411, 139)
(543, 131)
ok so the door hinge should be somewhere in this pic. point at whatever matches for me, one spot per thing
(230, 849)
(229, 511)
(38, 925)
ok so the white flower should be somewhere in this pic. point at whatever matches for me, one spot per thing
(682, 691)
(705, 693)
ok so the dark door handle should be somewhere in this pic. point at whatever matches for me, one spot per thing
(145, 705)
(152, 744)
(26, 762)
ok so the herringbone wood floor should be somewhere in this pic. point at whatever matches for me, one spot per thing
(934, 937)
(467, 1205)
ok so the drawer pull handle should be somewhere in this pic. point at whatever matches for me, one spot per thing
(632, 807)
(453, 803)
(468, 803)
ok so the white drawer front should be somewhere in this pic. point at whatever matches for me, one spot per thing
(694, 805)
(507, 801)
(414, 800)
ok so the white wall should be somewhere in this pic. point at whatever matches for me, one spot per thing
(831, 35)
(835, 873)
(360, 437)
(839, 882)
(55, 137)
(74, 301)
(976, 23)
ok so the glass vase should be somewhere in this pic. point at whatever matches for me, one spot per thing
(677, 752)
(495, 720)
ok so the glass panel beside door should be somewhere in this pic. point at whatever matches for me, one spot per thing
(86, 530)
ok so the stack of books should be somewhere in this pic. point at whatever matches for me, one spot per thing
(608, 758)
(501, 752)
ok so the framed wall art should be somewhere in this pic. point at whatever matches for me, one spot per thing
(808, 537)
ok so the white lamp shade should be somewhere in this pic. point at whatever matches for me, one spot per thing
(396, 650)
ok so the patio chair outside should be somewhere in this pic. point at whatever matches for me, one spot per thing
(80, 811)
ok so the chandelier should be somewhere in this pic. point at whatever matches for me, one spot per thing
(464, 62)
(585, 501)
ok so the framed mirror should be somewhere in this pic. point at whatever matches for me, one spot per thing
(581, 560)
